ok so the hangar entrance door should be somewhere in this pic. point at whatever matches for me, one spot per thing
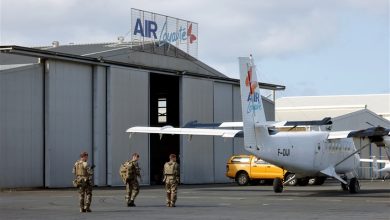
(164, 110)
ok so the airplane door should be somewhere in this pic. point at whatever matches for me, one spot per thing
(319, 154)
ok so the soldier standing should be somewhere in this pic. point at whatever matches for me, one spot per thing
(83, 181)
(132, 185)
(171, 179)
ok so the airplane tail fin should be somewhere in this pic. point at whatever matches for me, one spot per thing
(253, 115)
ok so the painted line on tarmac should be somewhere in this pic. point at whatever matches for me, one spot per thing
(203, 197)
(330, 200)
(224, 204)
(284, 199)
(232, 198)
(377, 201)
(62, 196)
(104, 196)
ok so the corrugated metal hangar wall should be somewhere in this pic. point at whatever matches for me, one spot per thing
(52, 111)
(21, 127)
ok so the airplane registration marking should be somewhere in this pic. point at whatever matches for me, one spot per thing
(283, 152)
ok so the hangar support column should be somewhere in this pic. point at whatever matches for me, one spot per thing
(99, 121)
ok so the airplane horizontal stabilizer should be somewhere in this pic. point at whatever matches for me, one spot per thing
(324, 121)
(330, 171)
(239, 124)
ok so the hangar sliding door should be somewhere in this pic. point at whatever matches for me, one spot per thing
(237, 116)
(128, 105)
(68, 123)
(21, 127)
(223, 112)
(197, 155)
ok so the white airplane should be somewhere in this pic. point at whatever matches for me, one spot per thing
(375, 162)
(307, 154)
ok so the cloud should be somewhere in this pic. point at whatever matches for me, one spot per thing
(227, 29)
(273, 28)
(298, 35)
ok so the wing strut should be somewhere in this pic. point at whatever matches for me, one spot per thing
(357, 151)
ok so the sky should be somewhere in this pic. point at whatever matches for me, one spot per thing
(313, 47)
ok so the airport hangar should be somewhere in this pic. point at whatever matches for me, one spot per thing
(59, 100)
(348, 112)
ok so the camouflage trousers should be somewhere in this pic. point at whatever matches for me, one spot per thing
(85, 196)
(171, 188)
(132, 189)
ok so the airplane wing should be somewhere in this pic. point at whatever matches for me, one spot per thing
(226, 133)
(378, 135)
(370, 132)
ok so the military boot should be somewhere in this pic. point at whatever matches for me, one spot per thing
(131, 203)
(82, 210)
(87, 209)
(168, 200)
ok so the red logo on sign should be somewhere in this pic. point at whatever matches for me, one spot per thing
(191, 36)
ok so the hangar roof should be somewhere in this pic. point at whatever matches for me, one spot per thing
(362, 112)
(151, 54)
(166, 58)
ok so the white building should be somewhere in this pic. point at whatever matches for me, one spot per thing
(318, 107)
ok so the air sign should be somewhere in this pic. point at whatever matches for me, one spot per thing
(148, 26)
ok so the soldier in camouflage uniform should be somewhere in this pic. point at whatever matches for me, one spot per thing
(171, 179)
(84, 181)
(132, 185)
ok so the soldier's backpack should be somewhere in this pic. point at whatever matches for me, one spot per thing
(169, 168)
(124, 171)
(80, 172)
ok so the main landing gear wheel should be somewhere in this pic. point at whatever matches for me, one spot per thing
(278, 185)
(354, 186)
